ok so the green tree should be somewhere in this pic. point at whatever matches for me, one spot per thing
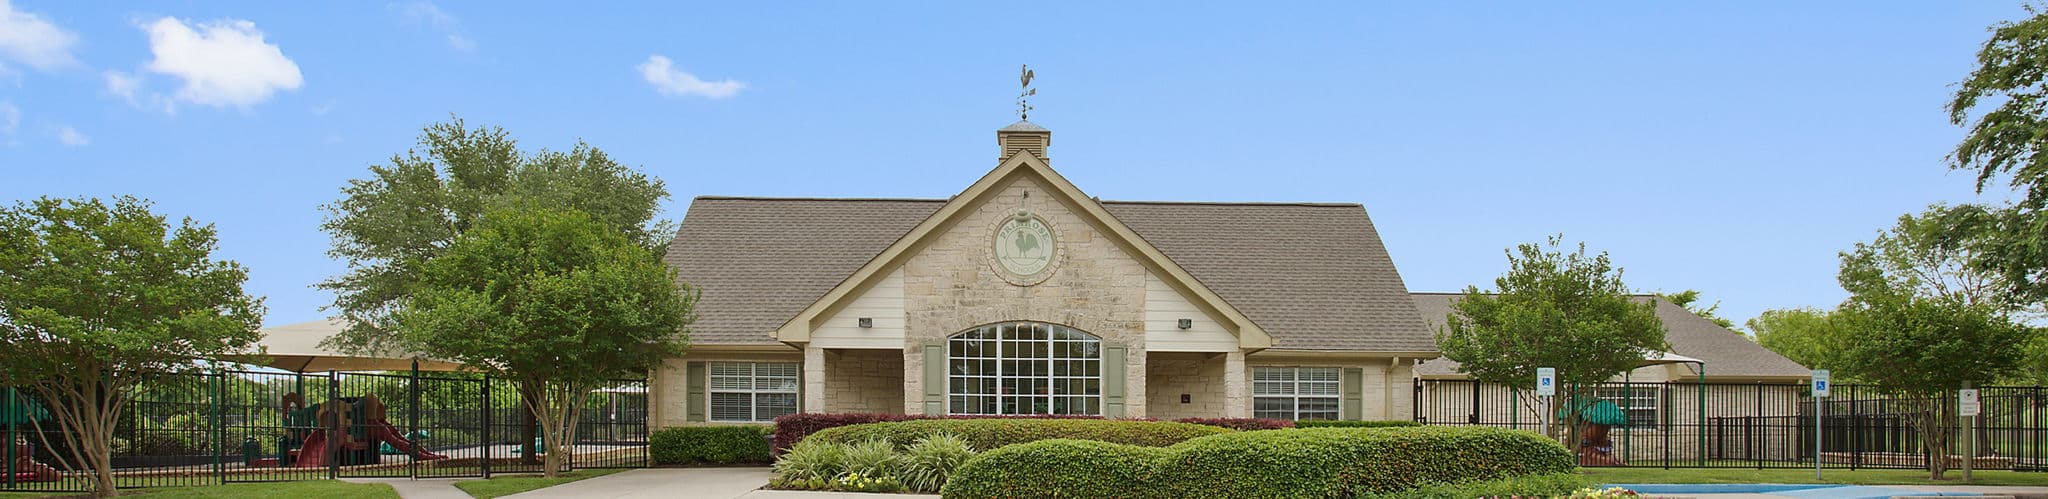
(97, 299)
(2003, 104)
(1808, 336)
(1916, 326)
(387, 226)
(553, 299)
(1564, 310)
(1690, 300)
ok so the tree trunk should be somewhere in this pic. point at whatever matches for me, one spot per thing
(529, 395)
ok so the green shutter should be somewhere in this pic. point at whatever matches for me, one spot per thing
(935, 378)
(697, 401)
(1113, 381)
(1354, 394)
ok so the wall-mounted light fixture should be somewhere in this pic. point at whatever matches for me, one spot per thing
(1187, 323)
(867, 322)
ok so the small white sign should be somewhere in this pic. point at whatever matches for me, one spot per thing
(1821, 385)
(1546, 381)
(1968, 402)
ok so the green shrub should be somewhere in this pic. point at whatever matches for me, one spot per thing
(928, 462)
(1315, 462)
(872, 459)
(720, 444)
(989, 434)
(1396, 423)
(813, 461)
(1061, 468)
(1546, 485)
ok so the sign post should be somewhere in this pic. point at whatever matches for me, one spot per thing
(1968, 407)
(1546, 387)
(1821, 390)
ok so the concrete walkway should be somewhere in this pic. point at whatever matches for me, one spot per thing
(433, 488)
(709, 483)
(1880, 492)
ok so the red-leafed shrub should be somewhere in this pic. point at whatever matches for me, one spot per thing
(794, 427)
(1241, 424)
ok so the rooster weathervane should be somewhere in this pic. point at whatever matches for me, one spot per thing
(1024, 107)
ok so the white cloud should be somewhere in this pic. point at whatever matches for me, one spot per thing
(423, 12)
(29, 39)
(661, 72)
(10, 118)
(122, 84)
(70, 137)
(223, 63)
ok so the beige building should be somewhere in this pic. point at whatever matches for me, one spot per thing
(1024, 295)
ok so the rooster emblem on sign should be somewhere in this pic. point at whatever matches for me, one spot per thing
(1024, 245)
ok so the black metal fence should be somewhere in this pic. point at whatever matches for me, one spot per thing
(1753, 425)
(249, 426)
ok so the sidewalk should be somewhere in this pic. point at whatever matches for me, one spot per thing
(433, 488)
(1715, 491)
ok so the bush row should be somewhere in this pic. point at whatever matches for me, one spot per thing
(720, 444)
(790, 429)
(996, 433)
(871, 466)
(1312, 462)
(1355, 424)
(1545, 485)
(1241, 424)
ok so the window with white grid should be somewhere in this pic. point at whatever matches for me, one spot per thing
(1295, 393)
(1638, 402)
(1024, 368)
(753, 391)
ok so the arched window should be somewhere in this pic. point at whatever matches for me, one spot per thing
(1024, 368)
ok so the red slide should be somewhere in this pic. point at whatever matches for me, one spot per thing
(382, 430)
(314, 453)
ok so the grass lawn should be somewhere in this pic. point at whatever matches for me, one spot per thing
(513, 484)
(1859, 477)
(278, 490)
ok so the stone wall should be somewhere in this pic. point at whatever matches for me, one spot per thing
(952, 285)
(1196, 374)
(863, 381)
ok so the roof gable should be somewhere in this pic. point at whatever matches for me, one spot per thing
(1022, 164)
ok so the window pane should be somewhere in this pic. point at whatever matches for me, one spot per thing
(770, 405)
(731, 407)
(1028, 368)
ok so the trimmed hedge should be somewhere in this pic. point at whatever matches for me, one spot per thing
(1313, 462)
(1396, 423)
(1548, 485)
(720, 444)
(1241, 424)
(792, 428)
(987, 434)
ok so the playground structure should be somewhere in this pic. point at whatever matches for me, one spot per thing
(348, 429)
(25, 467)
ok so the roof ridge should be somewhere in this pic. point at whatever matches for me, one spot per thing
(1242, 203)
(1637, 295)
(812, 198)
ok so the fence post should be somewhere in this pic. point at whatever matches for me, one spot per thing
(485, 422)
(1474, 419)
(334, 429)
(220, 432)
(413, 428)
(1415, 407)
(7, 407)
(1665, 412)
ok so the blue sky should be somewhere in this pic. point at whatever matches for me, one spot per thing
(1731, 147)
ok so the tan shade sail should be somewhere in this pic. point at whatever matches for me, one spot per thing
(296, 347)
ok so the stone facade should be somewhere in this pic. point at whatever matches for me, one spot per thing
(862, 381)
(1197, 375)
(951, 285)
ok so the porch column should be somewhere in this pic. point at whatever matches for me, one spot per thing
(1237, 386)
(814, 378)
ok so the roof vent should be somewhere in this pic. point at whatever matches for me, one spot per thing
(1023, 136)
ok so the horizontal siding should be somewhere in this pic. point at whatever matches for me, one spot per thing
(883, 303)
(1164, 308)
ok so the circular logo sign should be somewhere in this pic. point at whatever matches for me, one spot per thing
(1024, 245)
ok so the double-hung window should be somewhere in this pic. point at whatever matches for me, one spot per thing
(1294, 393)
(753, 391)
(1638, 402)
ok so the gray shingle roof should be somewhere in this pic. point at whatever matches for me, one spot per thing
(1314, 276)
(1727, 353)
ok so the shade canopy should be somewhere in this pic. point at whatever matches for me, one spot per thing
(21, 410)
(1601, 411)
(297, 348)
(1661, 358)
